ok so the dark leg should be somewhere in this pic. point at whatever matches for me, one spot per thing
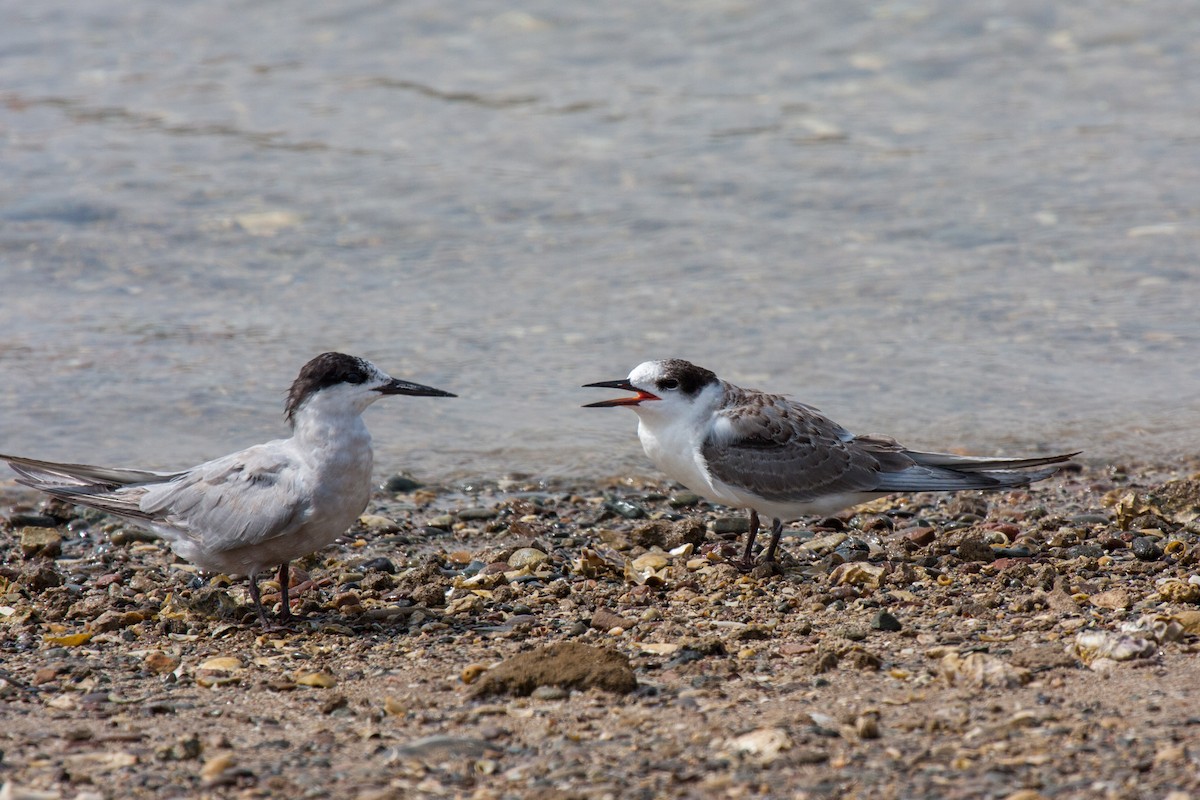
(747, 556)
(776, 532)
(286, 614)
(257, 598)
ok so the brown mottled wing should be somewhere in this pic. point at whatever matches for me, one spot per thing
(788, 452)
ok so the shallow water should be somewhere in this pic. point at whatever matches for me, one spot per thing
(970, 225)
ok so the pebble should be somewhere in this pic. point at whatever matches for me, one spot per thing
(468, 514)
(625, 509)
(443, 522)
(883, 621)
(549, 693)
(683, 500)
(43, 542)
(379, 564)
(399, 484)
(730, 525)
(378, 523)
(527, 557)
(1084, 551)
(1147, 548)
(921, 536)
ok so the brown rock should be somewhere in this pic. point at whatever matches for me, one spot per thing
(669, 535)
(569, 665)
(921, 536)
(43, 542)
(604, 620)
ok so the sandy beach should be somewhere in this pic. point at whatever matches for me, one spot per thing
(1038, 643)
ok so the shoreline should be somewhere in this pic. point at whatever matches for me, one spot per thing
(970, 645)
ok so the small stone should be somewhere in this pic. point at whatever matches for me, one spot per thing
(921, 536)
(380, 564)
(730, 525)
(529, 557)
(160, 663)
(114, 620)
(604, 620)
(883, 621)
(625, 509)
(571, 665)
(443, 522)
(974, 549)
(40, 542)
(399, 484)
(763, 744)
(549, 693)
(683, 500)
(316, 680)
(215, 767)
(394, 707)
(1147, 548)
(470, 514)
(378, 523)
(1113, 598)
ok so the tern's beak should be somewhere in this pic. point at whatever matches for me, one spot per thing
(620, 401)
(404, 387)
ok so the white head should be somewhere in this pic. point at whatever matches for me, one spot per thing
(341, 383)
(667, 389)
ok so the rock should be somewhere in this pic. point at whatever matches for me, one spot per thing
(730, 525)
(669, 535)
(316, 680)
(570, 665)
(378, 523)
(975, 549)
(683, 500)
(380, 564)
(215, 767)
(981, 671)
(1147, 548)
(857, 574)
(435, 750)
(604, 620)
(763, 744)
(39, 576)
(160, 663)
(550, 693)
(399, 484)
(883, 621)
(40, 542)
(1177, 591)
(1099, 646)
(1113, 598)
(626, 509)
(921, 536)
(471, 514)
(114, 620)
(527, 557)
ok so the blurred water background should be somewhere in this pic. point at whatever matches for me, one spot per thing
(969, 225)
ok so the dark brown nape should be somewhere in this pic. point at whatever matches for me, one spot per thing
(691, 377)
(327, 369)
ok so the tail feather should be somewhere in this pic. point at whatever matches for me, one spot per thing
(985, 463)
(946, 472)
(113, 490)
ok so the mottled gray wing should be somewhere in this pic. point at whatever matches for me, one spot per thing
(788, 452)
(241, 499)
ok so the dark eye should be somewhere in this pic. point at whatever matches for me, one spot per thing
(668, 383)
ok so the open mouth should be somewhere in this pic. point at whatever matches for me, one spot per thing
(637, 398)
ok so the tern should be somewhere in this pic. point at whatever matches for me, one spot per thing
(783, 459)
(261, 507)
